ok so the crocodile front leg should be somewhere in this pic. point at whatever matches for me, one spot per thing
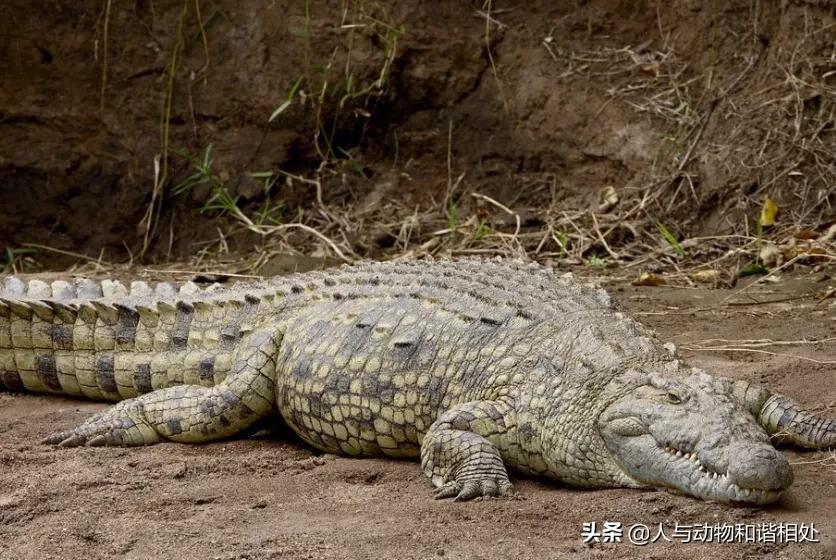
(462, 451)
(188, 413)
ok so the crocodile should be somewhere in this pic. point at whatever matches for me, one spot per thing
(471, 366)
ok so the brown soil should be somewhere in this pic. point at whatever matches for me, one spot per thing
(271, 497)
(704, 109)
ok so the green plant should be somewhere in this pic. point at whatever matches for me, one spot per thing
(161, 161)
(288, 101)
(17, 260)
(334, 98)
(482, 229)
(221, 201)
(269, 212)
(353, 163)
(563, 241)
(388, 36)
(753, 269)
(671, 239)
(452, 216)
(594, 261)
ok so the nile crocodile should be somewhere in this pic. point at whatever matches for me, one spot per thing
(473, 366)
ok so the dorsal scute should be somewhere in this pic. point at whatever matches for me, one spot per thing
(42, 310)
(113, 289)
(149, 316)
(14, 288)
(490, 292)
(189, 289)
(65, 311)
(38, 289)
(18, 308)
(164, 290)
(105, 311)
(140, 289)
(87, 289)
(167, 307)
(87, 312)
(62, 290)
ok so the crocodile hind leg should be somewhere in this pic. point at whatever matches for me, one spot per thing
(188, 413)
(462, 451)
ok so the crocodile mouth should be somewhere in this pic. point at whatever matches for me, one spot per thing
(708, 484)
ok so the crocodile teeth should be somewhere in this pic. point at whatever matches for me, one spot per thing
(679, 453)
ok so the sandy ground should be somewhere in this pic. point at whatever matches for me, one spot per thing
(271, 497)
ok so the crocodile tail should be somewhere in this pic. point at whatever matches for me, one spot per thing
(785, 420)
(105, 340)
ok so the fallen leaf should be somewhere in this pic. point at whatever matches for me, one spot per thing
(654, 69)
(709, 276)
(607, 199)
(805, 234)
(813, 254)
(648, 279)
(768, 212)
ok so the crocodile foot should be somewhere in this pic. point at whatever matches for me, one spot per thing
(123, 424)
(462, 491)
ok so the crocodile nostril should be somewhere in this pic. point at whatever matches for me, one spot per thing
(760, 467)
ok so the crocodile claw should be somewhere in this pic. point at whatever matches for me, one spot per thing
(120, 425)
(470, 489)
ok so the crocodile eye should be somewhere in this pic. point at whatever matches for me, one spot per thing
(673, 398)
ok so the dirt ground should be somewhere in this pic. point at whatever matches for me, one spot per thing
(271, 497)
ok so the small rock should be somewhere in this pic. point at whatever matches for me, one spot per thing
(261, 504)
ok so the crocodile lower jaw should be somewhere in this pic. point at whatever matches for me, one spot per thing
(711, 485)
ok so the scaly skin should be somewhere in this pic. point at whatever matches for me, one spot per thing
(473, 366)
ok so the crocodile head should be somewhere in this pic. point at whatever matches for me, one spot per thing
(691, 434)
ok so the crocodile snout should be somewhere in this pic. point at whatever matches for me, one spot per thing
(759, 467)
